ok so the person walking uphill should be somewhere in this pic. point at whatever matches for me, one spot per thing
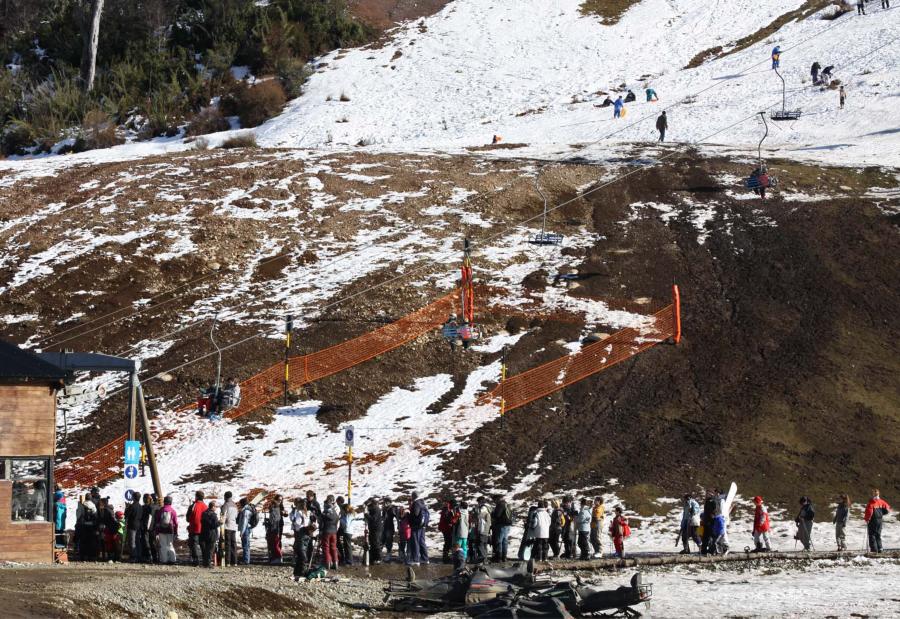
(209, 534)
(761, 526)
(274, 524)
(662, 123)
(841, 517)
(618, 108)
(194, 518)
(418, 522)
(167, 531)
(229, 522)
(804, 522)
(876, 510)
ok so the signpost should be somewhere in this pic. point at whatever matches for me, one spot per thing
(348, 439)
(132, 460)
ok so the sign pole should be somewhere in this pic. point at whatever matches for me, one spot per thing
(132, 413)
(349, 436)
(288, 328)
(502, 380)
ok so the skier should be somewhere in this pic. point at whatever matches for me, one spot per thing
(721, 523)
(841, 516)
(662, 123)
(618, 107)
(542, 532)
(814, 71)
(759, 181)
(651, 95)
(630, 96)
(842, 94)
(761, 526)
(597, 516)
(690, 522)
(374, 521)
(776, 57)
(876, 510)
(619, 530)
(804, 522)
(584, 529)
(445, 526)
(860, 7)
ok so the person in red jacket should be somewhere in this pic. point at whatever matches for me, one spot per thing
(876, 510)
(195, 527)
(619, 530)
(449, 516)
(761, 526)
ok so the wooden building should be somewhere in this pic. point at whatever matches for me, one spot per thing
(28, 387)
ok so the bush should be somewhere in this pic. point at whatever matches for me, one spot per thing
(344, 97)
(241, 140)
(98, 130)
(254, 105)
(208, 120)
(293, 73)
(16, 137)
(201, 143)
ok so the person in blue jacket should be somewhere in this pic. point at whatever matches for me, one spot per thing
(617, 107)
(59, 517)
(776, 57)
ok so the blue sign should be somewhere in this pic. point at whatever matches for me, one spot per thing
(131, 471)
(132, 452)
(348, 436)
(129, 495)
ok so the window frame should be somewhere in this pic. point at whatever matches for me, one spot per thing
(7, 475)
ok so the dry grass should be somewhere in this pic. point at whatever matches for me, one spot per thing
(242, 140)
(609, 11)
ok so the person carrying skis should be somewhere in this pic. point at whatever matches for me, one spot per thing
(841, 517)
(584, 529)
(776, 57)
(598, 514)
(662, 123)
(651, 95)
(720, 524)
(804, 522)
(618, 107)
(761, 526)
(619, 530)
(814, 71)
(690, 522)
(876, 510)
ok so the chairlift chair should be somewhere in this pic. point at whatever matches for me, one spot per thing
(784, 113)
(760, 179)
(543, 237)
(216, 399)
(463, 332)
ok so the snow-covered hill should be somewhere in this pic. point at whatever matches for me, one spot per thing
(529, 71)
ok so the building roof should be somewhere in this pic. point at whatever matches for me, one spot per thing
(19, 364)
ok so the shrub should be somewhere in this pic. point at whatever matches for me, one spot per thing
(201, 143)
(254, 105)
(208, 120)
(16, 137)
(241, 140)
(98, 130)
(293, 73)
(344, 97)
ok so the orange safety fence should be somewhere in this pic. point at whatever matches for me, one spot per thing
(106, 462)
(543, 380)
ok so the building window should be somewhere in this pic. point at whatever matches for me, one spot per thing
(30, 488)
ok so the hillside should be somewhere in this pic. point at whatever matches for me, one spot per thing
(353, 213)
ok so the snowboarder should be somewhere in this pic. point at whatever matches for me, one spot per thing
(690, 522)
(814, 71)
(651, 95)
(842, 94)
(597, 517)
(804, 522)
(876, 510)
(619, 530)
(761, 526)
(662, 123)
(618, 108)
(860, 7)
(630, 96)
(541, 532)
(584, 529)
(841, 517)
(776, 57)
(461, 529)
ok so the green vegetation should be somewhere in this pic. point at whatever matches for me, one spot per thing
(609, 11)
(161, 64)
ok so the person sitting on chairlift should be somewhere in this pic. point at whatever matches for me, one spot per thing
(231, 393)
(759, 181)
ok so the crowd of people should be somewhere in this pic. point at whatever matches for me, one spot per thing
(324, 533)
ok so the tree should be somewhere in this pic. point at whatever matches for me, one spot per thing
(90, 36)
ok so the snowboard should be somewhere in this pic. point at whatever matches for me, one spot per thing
(729, 499)
(526, 553)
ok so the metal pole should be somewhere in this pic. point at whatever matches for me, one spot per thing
(537, 185)
(288, 328)
(783, 91)
(132, 412)
(349, 475)
(762, 115)
(219, 352)
(502, 380)
(148, 443)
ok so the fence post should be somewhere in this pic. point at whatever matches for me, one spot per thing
(676, 309)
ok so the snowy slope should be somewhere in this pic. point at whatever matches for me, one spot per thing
(481, 68)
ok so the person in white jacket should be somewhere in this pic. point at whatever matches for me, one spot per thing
(541, 533)
(228, 516)
(482, 530)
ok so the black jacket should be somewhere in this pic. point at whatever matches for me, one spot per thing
(374, 520)
(662, 123)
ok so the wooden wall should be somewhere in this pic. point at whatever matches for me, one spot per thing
(27, 421)
(23, 542)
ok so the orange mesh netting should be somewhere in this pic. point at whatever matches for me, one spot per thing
(106, 462)
(559, 373)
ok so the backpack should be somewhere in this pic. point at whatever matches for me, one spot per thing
(507, 515)
(209, 520)
(254, 517)
(190, 511)
(165, 521)
(626, 530)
